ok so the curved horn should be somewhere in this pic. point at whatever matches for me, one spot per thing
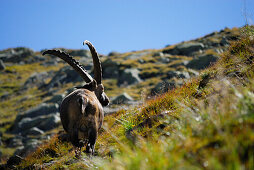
(96, 62)
(72, 62)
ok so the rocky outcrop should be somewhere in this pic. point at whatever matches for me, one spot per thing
(110, 69)
(36, 80)
(63, 76)
(121, 99)
(2, 66)
(44, 117)
(128, 77)
(201, 62)
(187, 49)
(16, 55)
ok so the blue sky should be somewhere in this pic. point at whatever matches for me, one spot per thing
(115, 25)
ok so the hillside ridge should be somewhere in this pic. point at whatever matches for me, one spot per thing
(142, 75)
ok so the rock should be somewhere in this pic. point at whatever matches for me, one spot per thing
(180, 63)
(114, 53)
(178, 74)
(14, 160)
(16, 55)
(202, 62)
(163, 87)
(42, 109)
(50, 63)
(122, 99)
(136, 55)
(63, 76)
(83, 53)
(51, 122)
(30, 146)
(56, 99)
(36, 79)
(2, 66)
(185, 48)
(14, 142)
(128, 77)
(45, 122)
(34, 131)
(110, 69)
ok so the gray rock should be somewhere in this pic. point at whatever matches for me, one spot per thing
(45, 122)
(16, 55)
(42, 109)
(110, 69)
(63, 76)
(14, 160)
(163, 87)
(56, 99)
(136, 55)
(185, 48)
(83, 53)
(202, 62)
(51, 122)
(50, 63)
(114, 53)
(30, 146)
(178, 74)
(15, 142)
(181, 63)
(121, 99)
(2, 66)
(36, 79)
(34, 131)
(128, 77)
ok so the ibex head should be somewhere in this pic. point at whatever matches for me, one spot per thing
(81, 111)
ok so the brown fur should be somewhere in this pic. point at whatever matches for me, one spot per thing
(82, 115)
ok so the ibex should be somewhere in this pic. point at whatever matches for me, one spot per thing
(81, 111)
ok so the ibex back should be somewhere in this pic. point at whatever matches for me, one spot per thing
(81, 111)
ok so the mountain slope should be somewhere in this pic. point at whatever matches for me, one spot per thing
(190, 126)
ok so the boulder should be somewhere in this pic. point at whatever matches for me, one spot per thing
(122, 99)
(83, 53)
(36, 80)
(56, 99)
(136, 55)
(30, 146)
(178, 74)
(128, 77)
(42, 109)
(16, 55)
(2, 66)
(202, 62)
(114, 53)
(14, 160)
(163, 87)
(63, 76)
(110, 69)
(34, 131)
(50, 122)
(187, 48)
(14, 142)
(45, 122)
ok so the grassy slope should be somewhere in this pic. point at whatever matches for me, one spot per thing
(202, 128)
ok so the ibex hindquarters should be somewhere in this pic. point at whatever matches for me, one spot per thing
(81, 111)
(82, 115)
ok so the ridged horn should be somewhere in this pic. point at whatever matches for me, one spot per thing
(96, 62)
(72, 62)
